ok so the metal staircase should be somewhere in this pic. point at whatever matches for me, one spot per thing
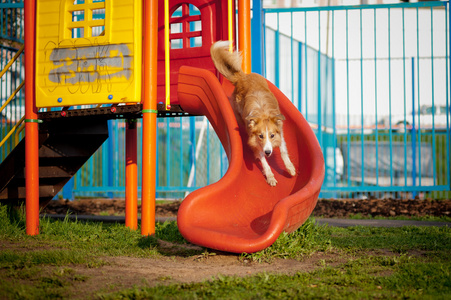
(65, 144)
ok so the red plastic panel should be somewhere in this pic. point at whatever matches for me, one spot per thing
(213, 23)
(241, 212)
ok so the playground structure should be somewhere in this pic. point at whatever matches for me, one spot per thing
(73, 62)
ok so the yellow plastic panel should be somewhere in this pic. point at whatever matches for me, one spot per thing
(84, 59)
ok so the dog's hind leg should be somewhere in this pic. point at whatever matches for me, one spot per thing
(270, 179)
(286, 158)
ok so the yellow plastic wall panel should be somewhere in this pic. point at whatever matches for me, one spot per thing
(76, 67)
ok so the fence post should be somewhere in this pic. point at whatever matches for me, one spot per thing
(110, 165)
(319, 87)
(449, 107)
(68, 189)
(414, 154)
(257, 37)
(300, 90)
(192, 151)
(276, 56)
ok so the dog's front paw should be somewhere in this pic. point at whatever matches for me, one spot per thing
(291, 170)
(271, 181)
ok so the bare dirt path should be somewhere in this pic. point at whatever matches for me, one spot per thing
(125, 272)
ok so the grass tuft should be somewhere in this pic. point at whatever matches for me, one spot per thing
(302, 242)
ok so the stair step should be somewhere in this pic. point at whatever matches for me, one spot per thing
(19, 193)
(48, 172)
(70, 146)
(64, 146)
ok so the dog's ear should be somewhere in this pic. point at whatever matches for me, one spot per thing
(278, 119)
(251, 121)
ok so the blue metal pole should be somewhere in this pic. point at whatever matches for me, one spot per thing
(320, 129)
(434, 159)
(168, 152)
(157, 176)
(292, 60)
(181, 152)
(208, 152)
(418, 98)
(414, 158)
(300, 76)
(104, 165)
(68, 190)
(264, 58)
(348, 144)
(257, 37)
(375, 98)
(192, 138)
(110, 157)
(305, 67)
(362, 170)
(405, 104)
(277, 54)
(116, 160)
(390, 133)
(448, 109)
(334, 136)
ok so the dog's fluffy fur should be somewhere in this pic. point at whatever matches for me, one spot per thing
(256, 106)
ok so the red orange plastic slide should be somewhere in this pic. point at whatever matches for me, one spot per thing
(241, 212)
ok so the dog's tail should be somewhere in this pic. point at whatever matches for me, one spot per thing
(227, 63)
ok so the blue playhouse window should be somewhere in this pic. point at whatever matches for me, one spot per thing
(193, 10)
(79, 15)
(194, 26)
(98, 14)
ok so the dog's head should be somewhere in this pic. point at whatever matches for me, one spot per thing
(265, 132)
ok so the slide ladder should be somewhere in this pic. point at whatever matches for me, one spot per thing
(65, 144)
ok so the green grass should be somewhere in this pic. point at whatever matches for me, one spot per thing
(369, 262)
(406, 218)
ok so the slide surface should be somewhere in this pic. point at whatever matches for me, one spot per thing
(241, 212)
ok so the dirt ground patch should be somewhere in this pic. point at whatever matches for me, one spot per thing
(325, 208)
(124, 272)
(120, 273)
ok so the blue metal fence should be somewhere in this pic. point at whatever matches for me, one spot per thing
(11, 21)
(373, 82)
(13, 111)
(11, 36)
(189, 156)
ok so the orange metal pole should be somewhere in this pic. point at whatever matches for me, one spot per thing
(150, 46)
(131, 176)
(230, 21)
(244, 33)
(31, 126)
